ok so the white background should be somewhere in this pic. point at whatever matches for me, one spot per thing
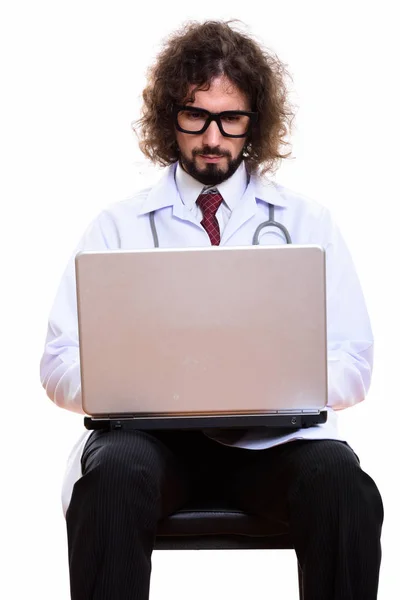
(71, 77)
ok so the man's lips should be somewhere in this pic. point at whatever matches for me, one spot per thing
(210, 157)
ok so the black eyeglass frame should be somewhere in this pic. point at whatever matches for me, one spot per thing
(253, 116)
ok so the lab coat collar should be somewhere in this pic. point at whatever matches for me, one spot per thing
(165, 193)
(266, 190)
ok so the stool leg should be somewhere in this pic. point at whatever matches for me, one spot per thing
(300, 575)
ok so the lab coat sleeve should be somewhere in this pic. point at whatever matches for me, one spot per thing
(350, 339)
(60, 366)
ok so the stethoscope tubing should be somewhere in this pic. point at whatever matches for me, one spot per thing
(256, 237)
(270, 223)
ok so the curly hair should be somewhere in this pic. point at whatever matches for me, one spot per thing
(194, 56)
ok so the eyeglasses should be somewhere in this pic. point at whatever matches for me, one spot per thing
(231, 123)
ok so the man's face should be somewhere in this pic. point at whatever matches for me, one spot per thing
(211, 157)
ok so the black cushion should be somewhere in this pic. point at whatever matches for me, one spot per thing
(210, 526)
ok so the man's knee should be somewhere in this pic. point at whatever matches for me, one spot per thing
(336, 477)
(118, 455)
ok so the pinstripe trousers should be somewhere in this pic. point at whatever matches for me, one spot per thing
(132, 479)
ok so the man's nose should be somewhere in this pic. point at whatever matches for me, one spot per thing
(212, 135)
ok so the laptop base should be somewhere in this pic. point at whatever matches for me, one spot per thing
(293, 421)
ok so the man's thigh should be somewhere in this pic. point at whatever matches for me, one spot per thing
(178, 463)
(125, 459)
(263, 481)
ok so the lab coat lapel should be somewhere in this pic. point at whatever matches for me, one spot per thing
(181, 211)
(165, 194)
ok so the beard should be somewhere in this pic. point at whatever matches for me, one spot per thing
(212, 174)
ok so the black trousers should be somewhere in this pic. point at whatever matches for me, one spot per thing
(132, 479)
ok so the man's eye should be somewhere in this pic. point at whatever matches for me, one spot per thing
(231, 118)
(193, 116)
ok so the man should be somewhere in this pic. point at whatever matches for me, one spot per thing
(216, 111)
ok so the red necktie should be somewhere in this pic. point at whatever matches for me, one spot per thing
(209, 203)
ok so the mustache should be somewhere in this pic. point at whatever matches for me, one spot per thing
(216, 151)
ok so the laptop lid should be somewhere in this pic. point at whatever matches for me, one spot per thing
(202, 331)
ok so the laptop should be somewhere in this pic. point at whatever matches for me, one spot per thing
(194, 338)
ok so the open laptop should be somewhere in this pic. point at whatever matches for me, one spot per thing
(203, 337)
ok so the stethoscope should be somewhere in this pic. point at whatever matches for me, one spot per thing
(256, 237)
(270, 223)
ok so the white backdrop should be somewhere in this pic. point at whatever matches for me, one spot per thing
(71, 77)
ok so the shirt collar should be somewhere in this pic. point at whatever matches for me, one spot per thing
(165, 192)
(231, 190)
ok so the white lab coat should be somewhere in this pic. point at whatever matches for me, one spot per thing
(125, 225)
